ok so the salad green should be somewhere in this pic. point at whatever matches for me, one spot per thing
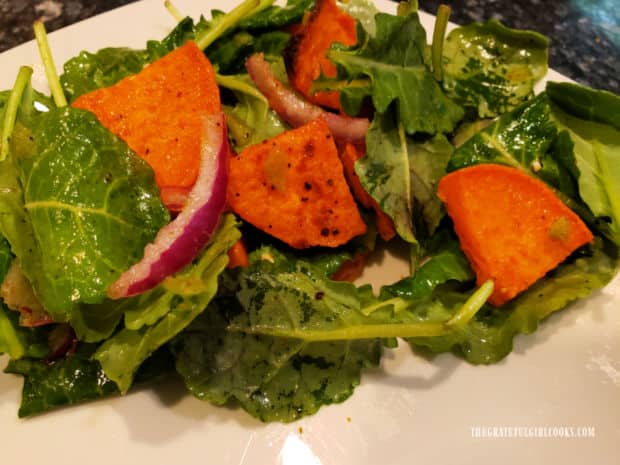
(280, 337)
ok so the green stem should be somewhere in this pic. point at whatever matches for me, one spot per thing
(369, 331)
(234, 83)
(386, 330)
(398, 303)
(173, 10)
(327, 84)
(12, 105)
(226, 22)
(48, 63)
(471, 307)
(441, 23)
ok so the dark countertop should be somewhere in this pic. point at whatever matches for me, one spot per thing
(585, 34)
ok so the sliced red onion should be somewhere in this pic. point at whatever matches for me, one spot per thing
(296, 111)
(181, 240)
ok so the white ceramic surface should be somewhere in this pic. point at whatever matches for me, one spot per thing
(411, 410)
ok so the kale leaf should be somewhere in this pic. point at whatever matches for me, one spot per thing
(282, 339)
(73, 379)
(394, 62)
(90, 199)
(76, 378)
(272, 378)
(589, 118)
(492, 68)
(90, 71)
(276, 17)
(385, 172)
(401, 174)
(250, 120)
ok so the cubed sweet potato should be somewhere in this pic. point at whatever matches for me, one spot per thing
(511, 226)
(157, 112)
(305, 57)
(293, 187)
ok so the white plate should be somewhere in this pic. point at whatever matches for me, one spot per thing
(412, 410)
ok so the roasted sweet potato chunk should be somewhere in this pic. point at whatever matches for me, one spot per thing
(293, 187)
(157, 113)
(305, 57)
(511, 226)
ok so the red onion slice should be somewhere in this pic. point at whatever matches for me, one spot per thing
(295, 110)
(181, 240)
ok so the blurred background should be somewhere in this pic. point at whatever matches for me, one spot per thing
(584, 34)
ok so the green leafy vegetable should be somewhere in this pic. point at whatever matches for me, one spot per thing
(250, 120)
(492, 68)
(446, 263)
(185, 30)
(398, 170)
(49, 67)
(9, 115)
(291, 299)
(585, 103)
(88, 197)
(273, 379)
(520, 139)
(229, 53)
(5, 258)
(282, 339)
(96, 322)
(427, 164)
(395, 63)
(276, 17)
(222, 22)
(74, 379)
(385, 172)
(71, 380)
(595, 135)
(90, 71)
(439, 31)
(157, 316)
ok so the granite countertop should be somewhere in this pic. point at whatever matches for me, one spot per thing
(584, 34)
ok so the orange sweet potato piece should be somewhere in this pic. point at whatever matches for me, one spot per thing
(238, 255)
(157, 113)
(292, 187)
(511, 226)
(349, 156)
(306, 58)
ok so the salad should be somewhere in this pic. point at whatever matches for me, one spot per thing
(117, 256)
